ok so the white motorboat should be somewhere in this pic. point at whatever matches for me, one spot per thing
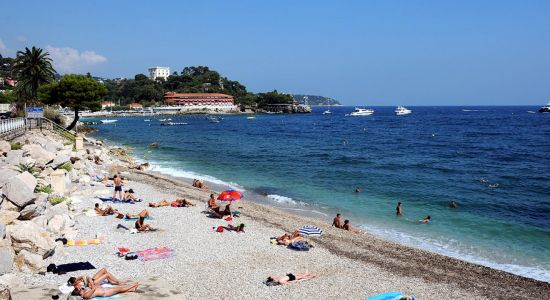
(362, 112)
(545, 109)
(108, 121)
(401, 111)
(327, 112)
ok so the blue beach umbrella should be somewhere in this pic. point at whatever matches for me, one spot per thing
(310, 230)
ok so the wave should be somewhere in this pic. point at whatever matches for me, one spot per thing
(192, 175)
(475, 110)
(452, 248)
(283, 199)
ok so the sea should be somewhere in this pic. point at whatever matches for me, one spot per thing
(493, 161)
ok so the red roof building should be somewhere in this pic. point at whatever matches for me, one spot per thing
(198, 99)
(135, 105)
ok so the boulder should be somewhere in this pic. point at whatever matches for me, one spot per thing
(14, 157)
(57, 223)
(27, 235)
(6, 174)
(36, 209)
(53, 146)
(5, 147)
(7, 205)
(59, 209)
(8, 216)
(77, 165)
(41, 221)
(5, 292)
(42, 157)
(20, 189)
(26, 260)
(6, 260)
(60, 160)
(46, 172)
(2, 231)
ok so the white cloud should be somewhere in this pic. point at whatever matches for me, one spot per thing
(3, 46)
(71, 60)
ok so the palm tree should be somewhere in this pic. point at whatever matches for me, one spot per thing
(32, 67)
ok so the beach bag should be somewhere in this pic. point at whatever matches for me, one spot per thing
(131, 256)
(219, 229)
(299, 246)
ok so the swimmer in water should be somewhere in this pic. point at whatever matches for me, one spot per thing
(399, 209)
(357, 189)
(428, 219)
(453, 204)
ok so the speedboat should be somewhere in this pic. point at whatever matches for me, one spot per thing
(173, 123)
(327, 112)
(108, 121)
(545, 109)
(401, 111)
(362, 112)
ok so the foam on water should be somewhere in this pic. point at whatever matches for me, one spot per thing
(283, 200)
(192, 175)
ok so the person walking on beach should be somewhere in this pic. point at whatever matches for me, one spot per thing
(117, 181)
(336, 221)
(399, 209)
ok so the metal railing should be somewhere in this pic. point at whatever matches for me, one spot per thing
(47, 124)
(12, 127)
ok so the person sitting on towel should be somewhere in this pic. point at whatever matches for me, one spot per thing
(141, 226)
(288, 278)
(130, 196)
(101, 276)
(144, 213)
(103, 212)
(225, 212)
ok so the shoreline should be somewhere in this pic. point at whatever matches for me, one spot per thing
(388, 255)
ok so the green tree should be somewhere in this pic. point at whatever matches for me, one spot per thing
(75, 91)
(32, 67)
(274, 98)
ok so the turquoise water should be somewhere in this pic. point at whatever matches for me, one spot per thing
(493, 160)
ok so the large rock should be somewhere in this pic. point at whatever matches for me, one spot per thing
(36, 209)
(59, 209)
(14, 157)
(54, 146)
(57, 223)
(8, 216)
(5, 147)
(28, 236)
(6, 260)
(26, 260)
(6, 174)
(5, 292)
(20, 189)
(42, 157)
(7, 205)
(60, 160)
(2, 231)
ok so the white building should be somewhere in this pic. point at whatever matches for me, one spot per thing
(157, 72)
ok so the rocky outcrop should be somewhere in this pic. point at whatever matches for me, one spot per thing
(42, 157)
(36, 209)
(6, 259)
(5, 147)
(6, 174)
(60, 160)
(14, 157)
(28, 236)
(20, 189)
(8, 216)
(27, 261)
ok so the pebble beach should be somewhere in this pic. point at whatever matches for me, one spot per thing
(212, 265)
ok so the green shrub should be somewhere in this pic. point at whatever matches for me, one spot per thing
(54, 200)
(43, 189)
(55, 116)
(16, 146)
(67, 166)
(22, 168)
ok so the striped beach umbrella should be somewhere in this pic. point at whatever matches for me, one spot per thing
(230, 195)
(310, 230)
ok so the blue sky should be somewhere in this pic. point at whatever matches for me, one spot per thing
(359, 52)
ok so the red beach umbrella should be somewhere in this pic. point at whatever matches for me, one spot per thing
(230, 195)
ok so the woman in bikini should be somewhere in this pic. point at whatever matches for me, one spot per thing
(288, 278)
(93, 290)
(101, 276)
(130, 196)
(144, 213)
(141, 226)
(287, 239)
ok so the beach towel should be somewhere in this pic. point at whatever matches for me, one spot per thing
(155, 253)
(299, 246)
(390, 296)
(83, 242)
(65, 268)
(110, 199)
(134, 219)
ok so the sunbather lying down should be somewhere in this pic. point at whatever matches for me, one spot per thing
(105, 211)
(175, 203)
(88, 288)
(289, 238)
(288, 278)
(144, 213)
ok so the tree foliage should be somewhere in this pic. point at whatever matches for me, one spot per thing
(32, 68)
(274, 97)
(77, 92)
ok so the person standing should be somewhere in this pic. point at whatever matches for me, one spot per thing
(117, 181)
(399, 209)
